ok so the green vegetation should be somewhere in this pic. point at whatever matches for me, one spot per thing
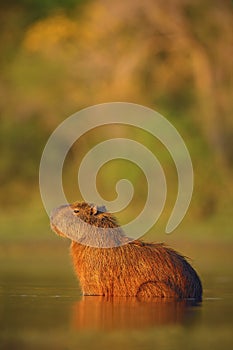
(60, 56)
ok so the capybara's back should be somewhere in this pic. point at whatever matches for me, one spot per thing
(133, 268)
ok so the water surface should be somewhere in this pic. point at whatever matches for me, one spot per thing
(41, 307)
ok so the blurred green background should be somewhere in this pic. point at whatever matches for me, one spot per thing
(59, 56)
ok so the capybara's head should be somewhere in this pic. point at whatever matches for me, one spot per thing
(87, 224)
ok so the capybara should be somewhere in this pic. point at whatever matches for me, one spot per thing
(109, 263)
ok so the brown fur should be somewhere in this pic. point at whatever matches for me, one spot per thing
(134, 268)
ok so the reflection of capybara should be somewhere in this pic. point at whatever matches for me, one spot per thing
(111, 313)
(129, 267)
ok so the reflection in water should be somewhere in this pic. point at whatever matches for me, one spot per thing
(96, 313)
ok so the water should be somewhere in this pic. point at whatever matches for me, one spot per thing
(59, 318)
(41, 307)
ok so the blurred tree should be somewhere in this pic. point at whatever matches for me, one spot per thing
(35, 9)
(173, 56)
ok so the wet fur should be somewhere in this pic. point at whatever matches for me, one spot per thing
(132, 269)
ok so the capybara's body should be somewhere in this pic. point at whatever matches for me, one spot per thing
(135, 270)
(132, 268)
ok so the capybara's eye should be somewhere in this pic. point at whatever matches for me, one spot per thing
(76, 211)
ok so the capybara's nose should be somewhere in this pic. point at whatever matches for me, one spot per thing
(57, 212)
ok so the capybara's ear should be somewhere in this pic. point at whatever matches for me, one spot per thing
(102, 209)
(94, 210)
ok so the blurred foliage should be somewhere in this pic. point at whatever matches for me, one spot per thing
(174, 56)
(33, 9)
